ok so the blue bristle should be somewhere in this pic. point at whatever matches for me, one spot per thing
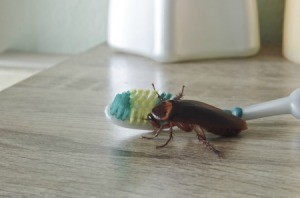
(120, 107)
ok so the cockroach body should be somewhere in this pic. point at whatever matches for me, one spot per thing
(189, 115)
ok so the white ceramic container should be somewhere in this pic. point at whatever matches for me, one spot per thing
(291, 33)
(180, 30)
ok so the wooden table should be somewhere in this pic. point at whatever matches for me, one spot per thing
(56, 142)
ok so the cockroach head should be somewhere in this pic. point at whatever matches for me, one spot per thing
(162, 110)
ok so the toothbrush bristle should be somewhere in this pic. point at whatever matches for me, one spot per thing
(142, 102)
(120, 108)
(134, 106)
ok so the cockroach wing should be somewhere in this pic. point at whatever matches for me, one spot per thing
(208, 117)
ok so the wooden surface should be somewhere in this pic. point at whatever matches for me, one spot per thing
(56, 142)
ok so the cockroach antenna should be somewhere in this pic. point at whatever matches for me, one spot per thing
(180, 95)
(158, 95)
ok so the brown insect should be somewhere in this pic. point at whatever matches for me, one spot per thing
(189, 115)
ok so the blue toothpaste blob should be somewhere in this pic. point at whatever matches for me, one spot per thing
(236, 111)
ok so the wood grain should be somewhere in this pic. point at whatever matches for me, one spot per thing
(56, 142)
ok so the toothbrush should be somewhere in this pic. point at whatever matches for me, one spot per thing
(129, 109)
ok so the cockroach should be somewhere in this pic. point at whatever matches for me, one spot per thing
(189, 115)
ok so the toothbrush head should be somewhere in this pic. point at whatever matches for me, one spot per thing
(130, 109)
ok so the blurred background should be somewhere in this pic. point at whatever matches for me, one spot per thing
(35, 34)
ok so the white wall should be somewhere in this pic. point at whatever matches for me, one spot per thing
(52, 26)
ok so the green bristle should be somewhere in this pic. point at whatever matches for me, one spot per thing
(142, 103)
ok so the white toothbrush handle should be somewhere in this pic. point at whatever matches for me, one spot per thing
(287, 105)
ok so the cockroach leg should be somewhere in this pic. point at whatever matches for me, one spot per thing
(180, 95)
(202, 138)
(158, 130)
(156, 133)
(211, 147)
(170, 137)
